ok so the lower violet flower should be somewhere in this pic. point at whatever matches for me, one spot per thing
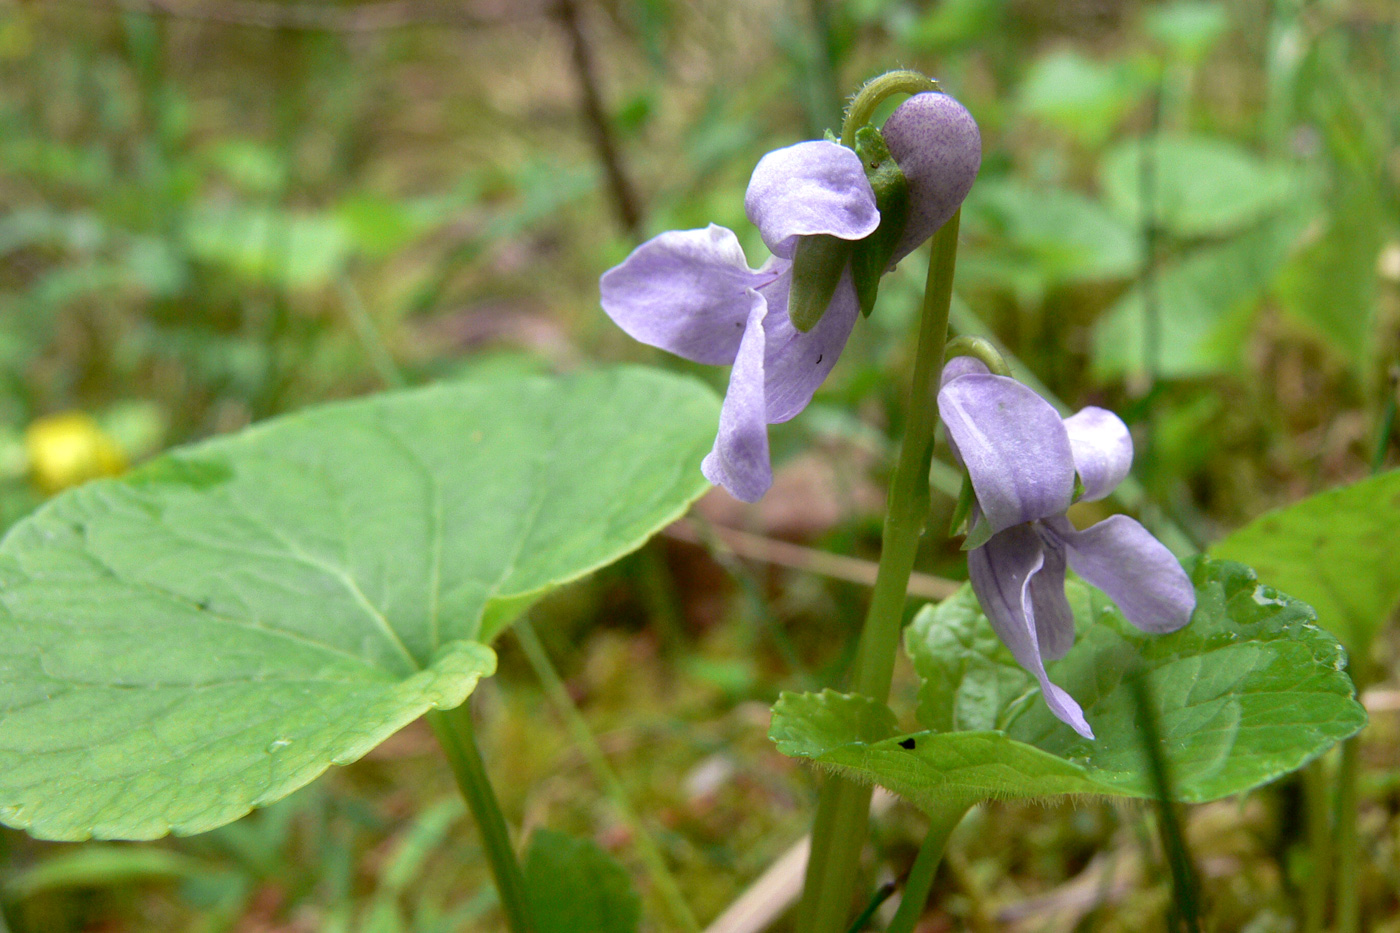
(692, 292)
(1022, 459)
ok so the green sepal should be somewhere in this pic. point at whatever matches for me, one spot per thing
(872, 255)
(1079, 489)
(958, 524)
(817, 264)
(831, 137)
(980, 534)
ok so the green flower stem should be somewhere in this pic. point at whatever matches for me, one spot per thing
(1347, 862)
(979, 349)
(870, 96)
(652, 859)
(1347, 811)
(1320, 845)
(920, 880)
(457, 735)
(843, 809)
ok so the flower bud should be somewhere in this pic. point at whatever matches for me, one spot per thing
(937, 145)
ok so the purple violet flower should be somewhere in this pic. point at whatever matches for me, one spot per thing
(1022, 459)
(692, 292)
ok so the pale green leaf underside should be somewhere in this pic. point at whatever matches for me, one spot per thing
(1336, 551)
(211, 632)
(1250, 690)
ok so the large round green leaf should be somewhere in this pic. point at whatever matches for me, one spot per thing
(213, 631)
(1250, 690)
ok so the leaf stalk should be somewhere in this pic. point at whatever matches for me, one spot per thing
(457, 735)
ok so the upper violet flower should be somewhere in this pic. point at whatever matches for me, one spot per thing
(692, 292)
(1022, 459)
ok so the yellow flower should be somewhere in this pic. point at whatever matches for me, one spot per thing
(70, 448)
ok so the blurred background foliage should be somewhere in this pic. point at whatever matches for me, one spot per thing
(213, 211)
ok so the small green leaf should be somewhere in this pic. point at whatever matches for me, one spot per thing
(1334, 551)
(210, 633)
(1047, 236)
(289, 249)
(1204, 305)
(1200, 186)
(1085, 97)
(1188, 28)
(1331, 285)
(573, 885)
(1250, 690)
(97, 866)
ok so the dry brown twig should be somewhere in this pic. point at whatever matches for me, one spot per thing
(795, 556)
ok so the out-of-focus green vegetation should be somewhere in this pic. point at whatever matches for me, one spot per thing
(213, 211)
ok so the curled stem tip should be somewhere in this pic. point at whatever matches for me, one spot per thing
(874, 92)
(979, 349)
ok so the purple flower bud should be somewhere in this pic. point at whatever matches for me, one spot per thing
(937, 146)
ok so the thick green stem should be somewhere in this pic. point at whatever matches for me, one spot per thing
(844, 807)
(1320, 847)
(1348, 844)
(920, 880)
(652, 859)
(456, 734)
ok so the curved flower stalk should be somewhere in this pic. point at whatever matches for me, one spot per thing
(1023, 460)
(692, 292)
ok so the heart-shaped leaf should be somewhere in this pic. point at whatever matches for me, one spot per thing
(1250, 690)
(211, 632)
(1335, 551)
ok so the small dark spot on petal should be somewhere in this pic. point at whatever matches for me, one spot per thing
(819, 357)
(906, 743)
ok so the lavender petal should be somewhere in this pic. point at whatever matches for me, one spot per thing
(1134, 569)
(1002, 571)
(962, 366)
(1103, 450)
(1054, 620)
(739, 460)
(685, 292)
(1014, 446)
(812, 187)
(795, 363)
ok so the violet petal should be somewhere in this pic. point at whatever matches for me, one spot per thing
(739, 460)
(935, 142)
(1014, 446)
(962, 366)
(1054, 620)
(1103, 450)
(1134, 569)
(684, 291)
(796, 363)
(1001, 572)
(812, 187)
